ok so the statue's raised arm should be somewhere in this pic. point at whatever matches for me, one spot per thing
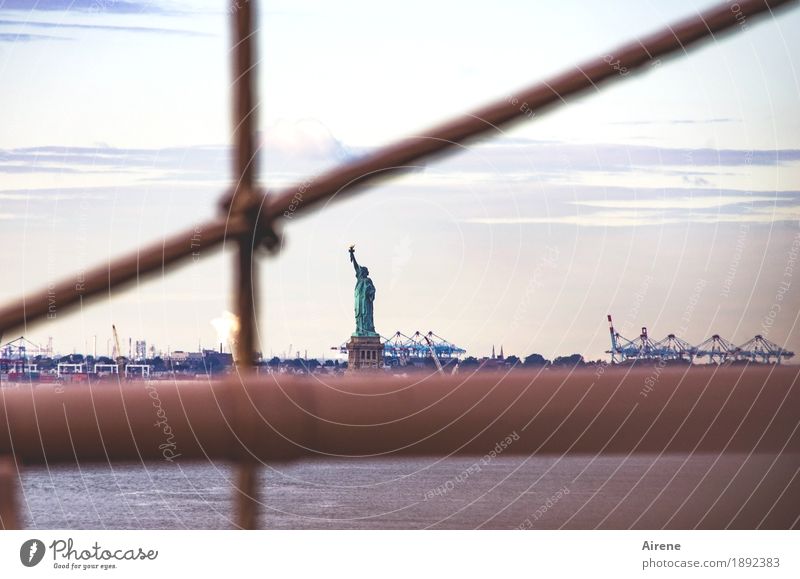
(353, 259)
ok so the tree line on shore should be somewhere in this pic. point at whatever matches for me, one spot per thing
(534, 361)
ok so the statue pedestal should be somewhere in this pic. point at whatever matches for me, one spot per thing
(364, 353)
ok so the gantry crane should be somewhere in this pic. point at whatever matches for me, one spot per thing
(117, 350)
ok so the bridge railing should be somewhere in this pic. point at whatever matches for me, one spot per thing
(589, 411)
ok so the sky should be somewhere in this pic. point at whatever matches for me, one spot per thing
(670, 200)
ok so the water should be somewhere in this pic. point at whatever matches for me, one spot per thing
(642, 491)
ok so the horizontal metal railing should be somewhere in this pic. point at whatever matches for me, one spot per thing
(749, 410)
(738, 409)
(248, 420)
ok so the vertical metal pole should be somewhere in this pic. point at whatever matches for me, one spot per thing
(247, 476)
(9, 511)
(244, 123)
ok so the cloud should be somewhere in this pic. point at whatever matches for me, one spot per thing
(11, 168)
(594, 219)
(205, 161)
(289, 150)
(700, 202)
(656, 212)
(110, 6)
(695, 180)
(296, 149)
(51, 196)
(307, 139)
(19, 37)
(678, 121)
(105, 27)
(644, 219)
(549, 157)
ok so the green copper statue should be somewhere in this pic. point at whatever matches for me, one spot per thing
(365, 295)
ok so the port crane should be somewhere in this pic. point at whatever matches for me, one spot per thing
(117, 350)
(716, 349)
(433, 353)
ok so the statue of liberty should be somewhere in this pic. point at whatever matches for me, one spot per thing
(364, 296)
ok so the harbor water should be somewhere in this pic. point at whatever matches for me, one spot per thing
(506, 492)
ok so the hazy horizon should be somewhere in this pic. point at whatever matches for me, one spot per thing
(670, 201)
